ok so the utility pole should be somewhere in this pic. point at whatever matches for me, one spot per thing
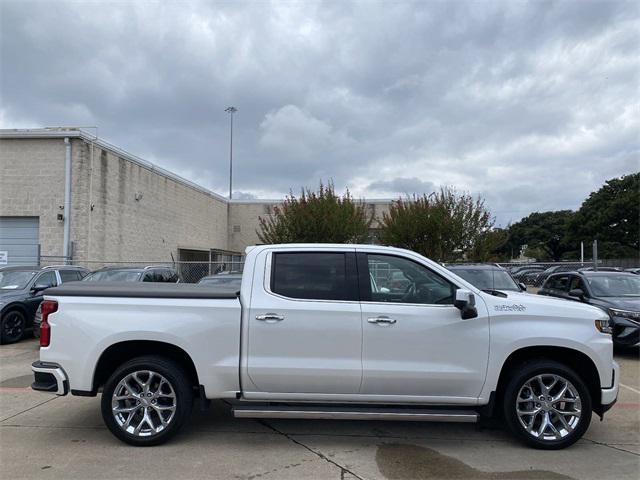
(231, 111)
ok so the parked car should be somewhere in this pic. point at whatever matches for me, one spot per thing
(487, 277)
(537, 279)
(121, 274)
(617, 293)
(633, 270)
(21, 293)
(308, 338)
(232, 280)
(521, 273)
(152, 273)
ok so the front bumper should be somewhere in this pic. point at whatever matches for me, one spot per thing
(49, 377)
(626, 333)
(610, 394)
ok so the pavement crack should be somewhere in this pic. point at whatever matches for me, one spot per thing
(343, 470)
(28, 409)
(611, 446)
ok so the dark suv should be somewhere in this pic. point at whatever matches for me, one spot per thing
(618, 293)
(21, 293)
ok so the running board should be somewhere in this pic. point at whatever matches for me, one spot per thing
(353, 413)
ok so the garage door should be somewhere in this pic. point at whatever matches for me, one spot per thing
(19, 237)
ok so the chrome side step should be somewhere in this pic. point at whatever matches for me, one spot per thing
(355, 413)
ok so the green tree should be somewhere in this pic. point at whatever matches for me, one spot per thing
(488, 247)
(611, 215)
(443, 225)
(317, 217)
(543, 231)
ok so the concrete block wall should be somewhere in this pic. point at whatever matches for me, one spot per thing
(136, 214)
(244, 222)
(32, 185)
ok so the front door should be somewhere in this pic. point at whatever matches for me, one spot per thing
(414, 340)
(305, 329)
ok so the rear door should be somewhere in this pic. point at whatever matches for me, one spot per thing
(414, 339)
(305, 329)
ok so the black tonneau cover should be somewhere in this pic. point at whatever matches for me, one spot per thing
(140, 290)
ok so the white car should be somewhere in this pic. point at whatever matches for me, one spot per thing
(308, 337)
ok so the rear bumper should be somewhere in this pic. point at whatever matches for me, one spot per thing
(610, 394)
(50, 378)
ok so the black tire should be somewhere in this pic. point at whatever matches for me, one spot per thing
(12, 327)
(178, 379)
(519, 378)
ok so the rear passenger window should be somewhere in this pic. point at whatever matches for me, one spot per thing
(313, 276)
(69, 275)
(560, 282)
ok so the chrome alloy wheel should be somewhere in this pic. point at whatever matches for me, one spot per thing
(548, 407)
(143, 403)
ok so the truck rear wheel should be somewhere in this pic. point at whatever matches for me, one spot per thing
(547, 405)
(147, 400)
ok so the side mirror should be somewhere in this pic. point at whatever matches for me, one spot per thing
(466, 302)
(522, 286)
(39, 287)
(577, 293)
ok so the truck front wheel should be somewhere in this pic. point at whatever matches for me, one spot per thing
(147, 400)
(547, 405)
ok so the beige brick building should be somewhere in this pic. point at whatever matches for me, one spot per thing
(121, 207)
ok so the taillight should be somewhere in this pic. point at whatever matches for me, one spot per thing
(46, 307)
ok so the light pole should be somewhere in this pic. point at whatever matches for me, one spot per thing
(231, 111)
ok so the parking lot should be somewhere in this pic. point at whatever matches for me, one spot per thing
(44, 436)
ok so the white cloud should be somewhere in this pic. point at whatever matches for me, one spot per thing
(532, 104)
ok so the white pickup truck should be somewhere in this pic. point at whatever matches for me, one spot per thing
(330, 331)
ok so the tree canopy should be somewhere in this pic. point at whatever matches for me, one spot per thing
(543, 231)
(611, 215)
(443, 225)
(317, 217)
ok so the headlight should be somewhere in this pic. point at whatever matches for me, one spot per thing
(625, 314)
(603, 326)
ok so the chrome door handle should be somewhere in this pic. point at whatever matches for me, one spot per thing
(382, 320)
(270, 317)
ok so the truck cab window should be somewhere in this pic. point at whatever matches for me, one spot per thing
(312, 276)
(401, 280)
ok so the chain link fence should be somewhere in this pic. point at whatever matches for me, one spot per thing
(188, 271)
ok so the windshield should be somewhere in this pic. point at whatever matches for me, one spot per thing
(113, 276)
(614, 285)
(487, 279)
(15, 279)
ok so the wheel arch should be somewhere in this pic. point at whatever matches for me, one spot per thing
(574, 359)
(121, 352)
(17, 306)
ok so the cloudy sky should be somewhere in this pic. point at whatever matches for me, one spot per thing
(530, 104)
